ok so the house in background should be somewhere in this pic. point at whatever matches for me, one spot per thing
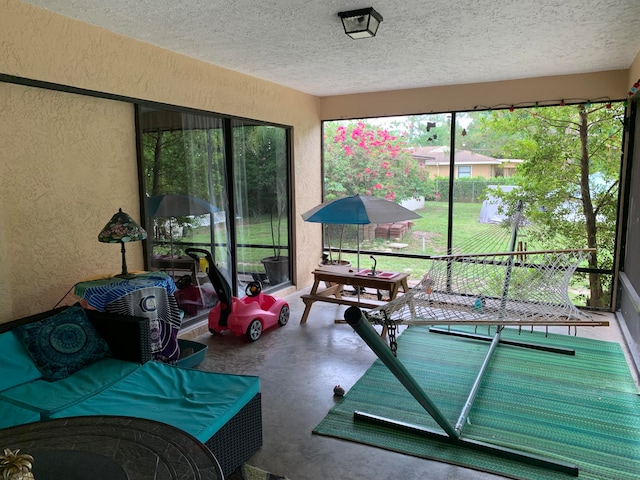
(437, 161)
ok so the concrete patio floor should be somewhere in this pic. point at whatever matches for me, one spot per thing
(298, 366)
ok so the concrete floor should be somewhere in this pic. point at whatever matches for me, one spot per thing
(298, 366)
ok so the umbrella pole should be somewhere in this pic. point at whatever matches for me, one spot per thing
(358, 245)
(358, 259)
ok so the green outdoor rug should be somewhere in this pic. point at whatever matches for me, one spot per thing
(581, 409)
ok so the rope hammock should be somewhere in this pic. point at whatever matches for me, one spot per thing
(514, 286)
(527, 288)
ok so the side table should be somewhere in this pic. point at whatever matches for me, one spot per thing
(140, 449)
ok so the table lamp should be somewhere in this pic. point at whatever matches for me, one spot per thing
(122, 229)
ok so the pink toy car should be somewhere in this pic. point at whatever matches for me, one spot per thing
(250, 315)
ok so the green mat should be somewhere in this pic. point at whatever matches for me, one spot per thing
(582, 409)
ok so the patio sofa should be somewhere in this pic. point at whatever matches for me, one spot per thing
(76, 362)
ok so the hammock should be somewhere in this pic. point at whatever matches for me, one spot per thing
(523, 288)
(514, 286)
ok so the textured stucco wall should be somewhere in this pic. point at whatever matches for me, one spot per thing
(72, 158)
(611, 84)
(63, 177)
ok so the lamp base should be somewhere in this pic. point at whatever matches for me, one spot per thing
(126, 276)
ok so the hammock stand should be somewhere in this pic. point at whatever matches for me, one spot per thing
(452, 433)
(475, 309)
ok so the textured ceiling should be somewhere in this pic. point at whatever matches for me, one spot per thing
(301, 43)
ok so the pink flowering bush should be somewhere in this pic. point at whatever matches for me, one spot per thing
(360, 158)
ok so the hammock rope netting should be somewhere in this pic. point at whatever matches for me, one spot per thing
(511, 286)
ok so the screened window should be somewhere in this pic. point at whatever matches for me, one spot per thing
(561, 163)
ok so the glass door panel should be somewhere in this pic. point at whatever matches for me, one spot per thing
(261, 203)
(185, 200)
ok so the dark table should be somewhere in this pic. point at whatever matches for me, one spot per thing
(103, 447)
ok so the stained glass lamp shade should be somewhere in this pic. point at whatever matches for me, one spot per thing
(122, 229)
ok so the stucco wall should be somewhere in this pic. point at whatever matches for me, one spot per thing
(611, 84)
(63, 177)
(72, 159)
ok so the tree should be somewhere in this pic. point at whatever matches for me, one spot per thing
(423, 130)
(361, 158)
(261, 155)
(568, 181)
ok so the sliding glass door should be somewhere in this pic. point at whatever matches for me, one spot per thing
(261, 202)
(220, 185)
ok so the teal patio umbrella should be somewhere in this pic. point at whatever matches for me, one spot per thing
(358, 210)
(172, 205)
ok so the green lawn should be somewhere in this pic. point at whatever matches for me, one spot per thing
(428, 237)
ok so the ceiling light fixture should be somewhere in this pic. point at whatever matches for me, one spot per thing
(361, 23)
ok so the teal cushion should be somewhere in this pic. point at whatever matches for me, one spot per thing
(12, 415)
(195, 401)
(16, 366)
(48, 397)
(63, 343)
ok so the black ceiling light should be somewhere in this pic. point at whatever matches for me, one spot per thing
(361, 23)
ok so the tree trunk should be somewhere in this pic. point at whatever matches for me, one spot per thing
(156, 164)
(595, 284)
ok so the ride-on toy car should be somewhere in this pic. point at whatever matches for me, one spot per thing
(249, 315)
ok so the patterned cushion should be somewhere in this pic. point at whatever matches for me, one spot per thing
(63, 343)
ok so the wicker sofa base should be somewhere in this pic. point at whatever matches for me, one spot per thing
(239, 438)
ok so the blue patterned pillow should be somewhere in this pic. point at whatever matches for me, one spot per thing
(63, 343)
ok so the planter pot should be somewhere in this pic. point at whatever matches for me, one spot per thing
(277, 269)
(335, 263)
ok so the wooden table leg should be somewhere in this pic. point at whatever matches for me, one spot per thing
(307, 308)
(309, 302)
(395, 287)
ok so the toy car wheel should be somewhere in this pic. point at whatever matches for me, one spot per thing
(255, 330)
(284, 316)
(213, 332)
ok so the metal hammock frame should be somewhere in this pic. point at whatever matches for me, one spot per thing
(442, 298)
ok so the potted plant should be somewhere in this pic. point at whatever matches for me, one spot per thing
(327, 257)
(277, 265)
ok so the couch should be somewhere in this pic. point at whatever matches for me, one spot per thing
(76, 362)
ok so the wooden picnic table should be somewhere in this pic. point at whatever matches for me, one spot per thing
(334, 279)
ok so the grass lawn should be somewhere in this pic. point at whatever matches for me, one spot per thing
(428, 236)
